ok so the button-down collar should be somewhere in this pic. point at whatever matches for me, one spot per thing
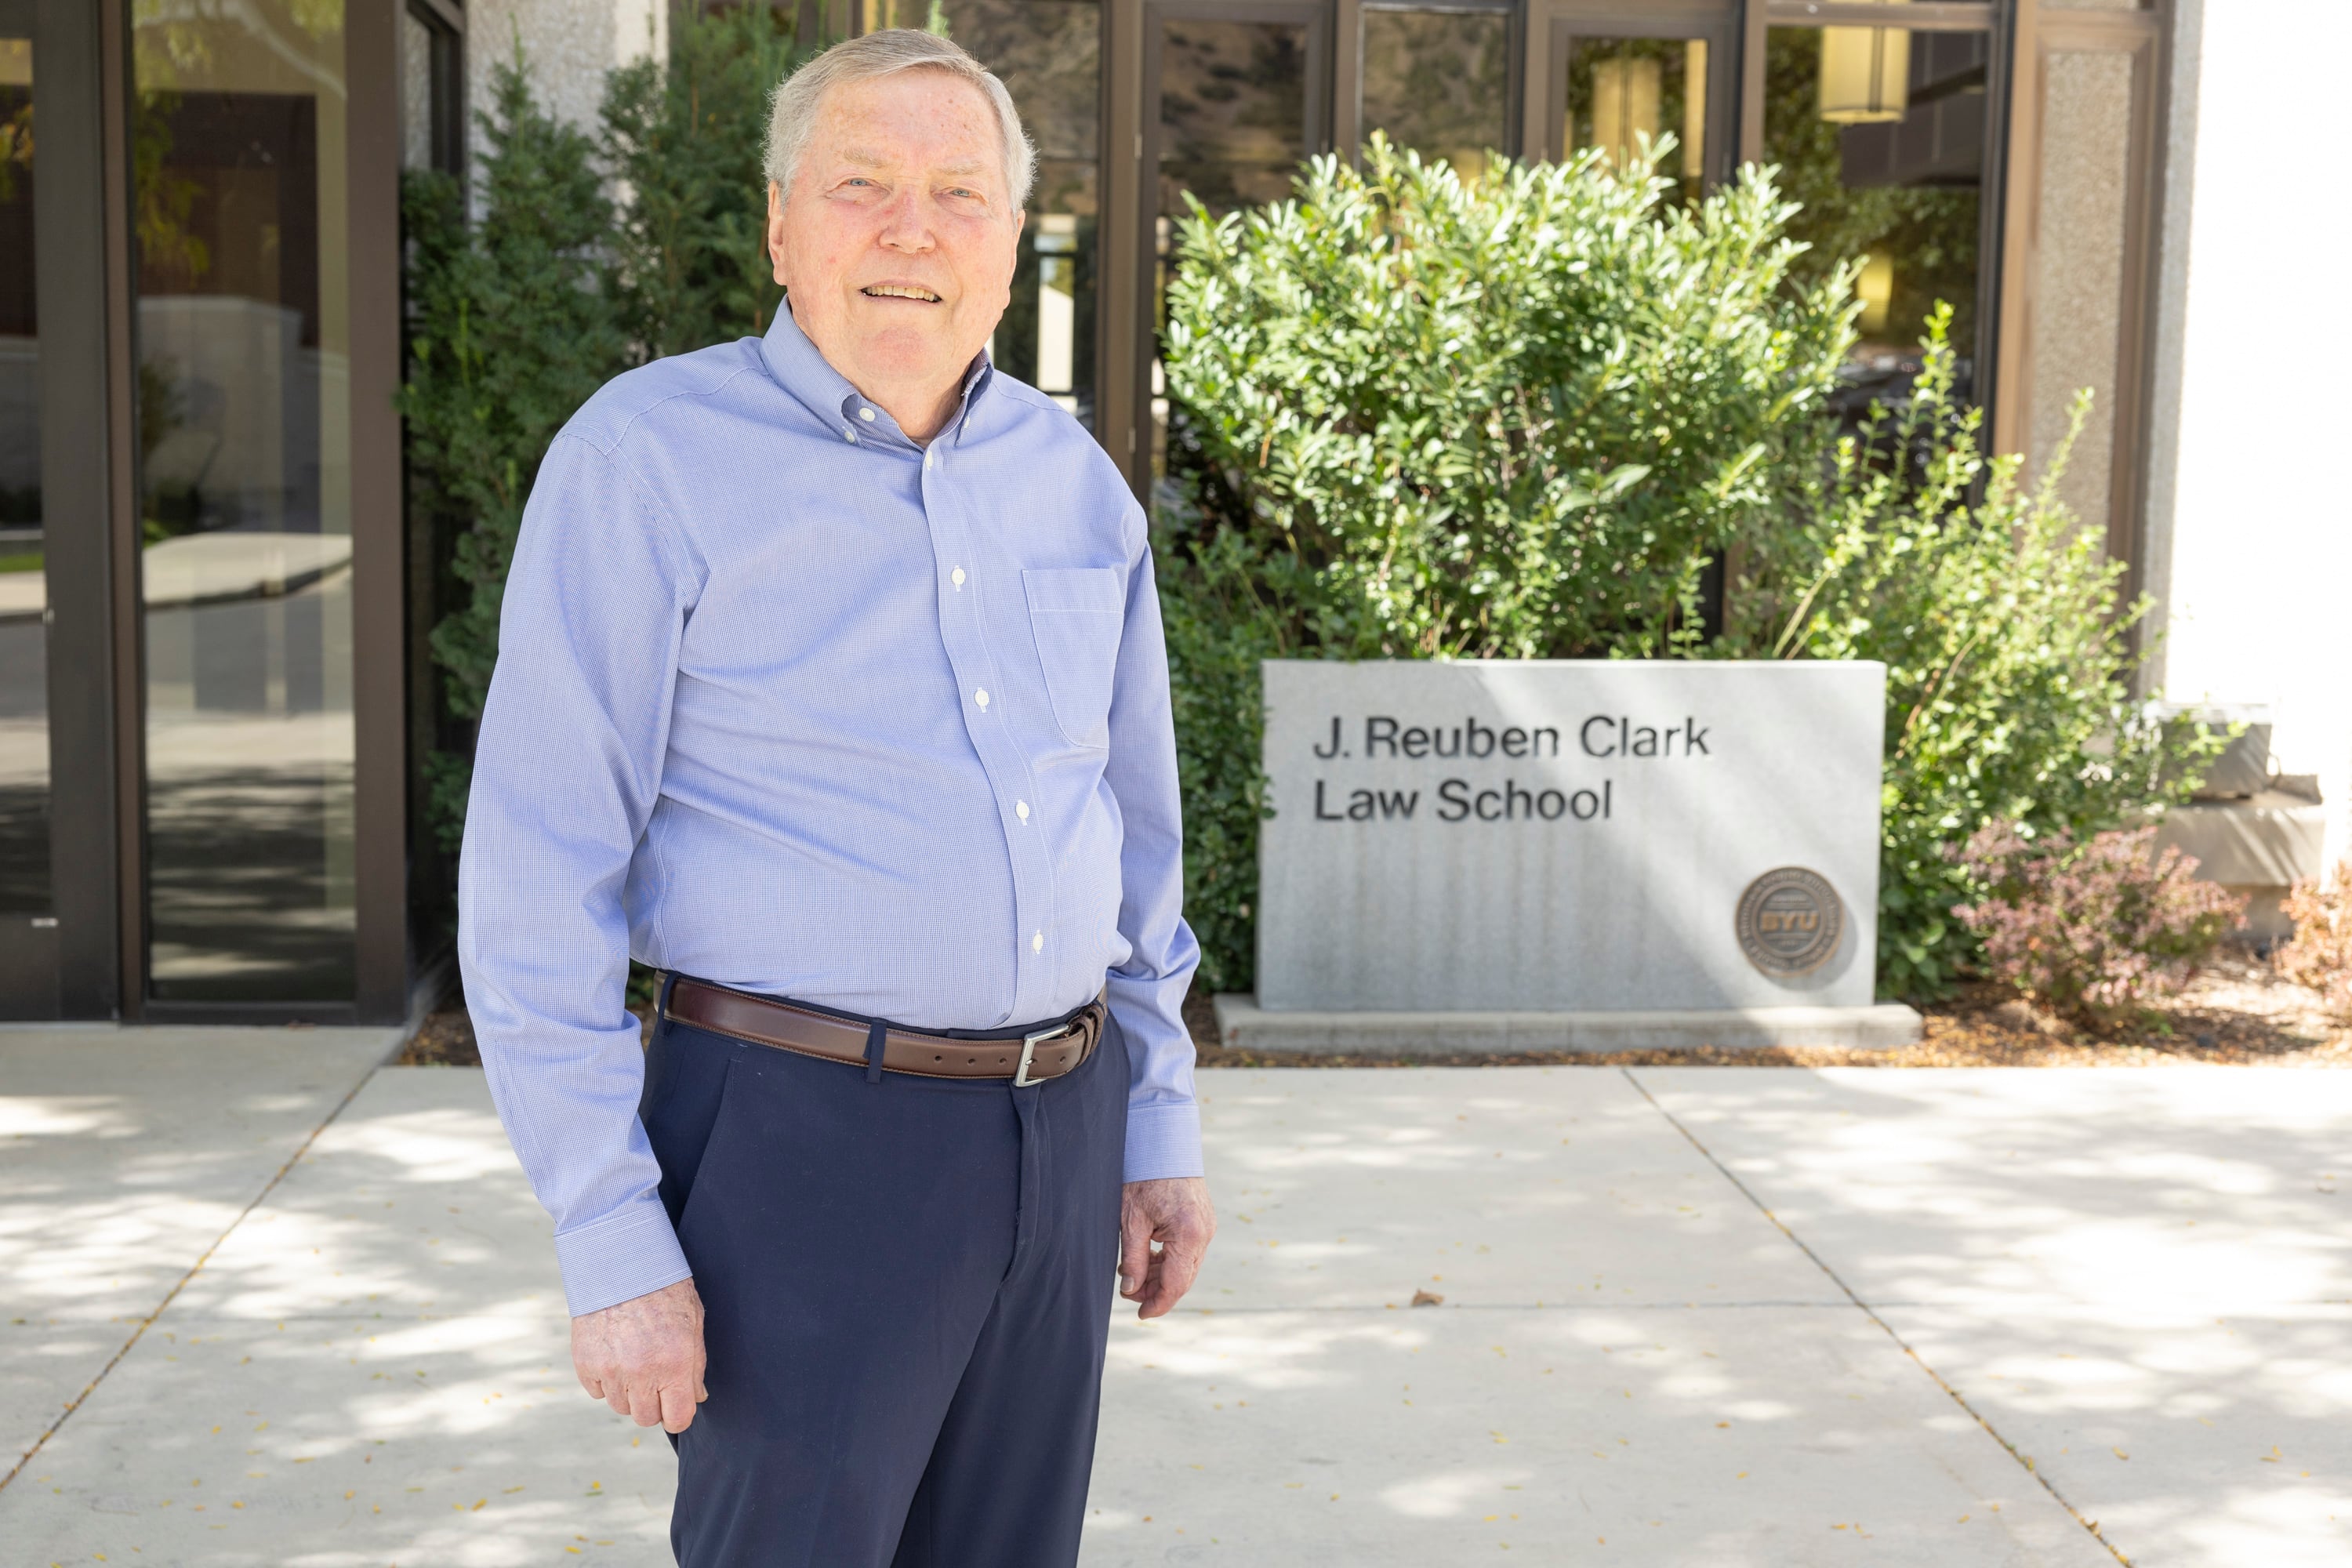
(825, 392)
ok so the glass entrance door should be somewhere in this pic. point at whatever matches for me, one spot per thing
(244, 324)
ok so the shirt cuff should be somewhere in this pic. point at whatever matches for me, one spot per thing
(620, 1257)
(1163, 1140)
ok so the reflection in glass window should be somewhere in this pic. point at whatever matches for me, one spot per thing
(1048, 53)
(24, 585)
(1625, 94)
(244, 318)
(1438, 83)
(1880, 133)
(1233, 132)
(1233, 113)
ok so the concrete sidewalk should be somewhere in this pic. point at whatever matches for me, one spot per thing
(2138, 1280)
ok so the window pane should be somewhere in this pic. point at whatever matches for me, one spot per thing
(1233, 113)
(244, 445)
(1880, 133)
(1438, 83)
(24, 587)
(1048, 53)
(415, 92)
(2078, 283)
(1233, 132)
(1624, 93)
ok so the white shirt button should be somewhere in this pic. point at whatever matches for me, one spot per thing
(980, 697)
(956, 577)
(926, 459)
(1037, 943)
(848, 434)
(867, 415)
(1021, 809)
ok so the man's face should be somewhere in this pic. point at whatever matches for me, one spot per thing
(897, 240)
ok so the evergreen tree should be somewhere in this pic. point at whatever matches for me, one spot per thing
(510, 329)
(684, 139)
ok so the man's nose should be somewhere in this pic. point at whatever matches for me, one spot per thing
(907, 225)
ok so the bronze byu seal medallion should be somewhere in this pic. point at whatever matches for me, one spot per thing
(1790, 921)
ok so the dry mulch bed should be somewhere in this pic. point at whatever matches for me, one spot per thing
(2236, 1012)
(446, 1040)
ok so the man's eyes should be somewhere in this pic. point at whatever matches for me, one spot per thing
(959, 193)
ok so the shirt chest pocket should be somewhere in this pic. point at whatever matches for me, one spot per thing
(1076, 613)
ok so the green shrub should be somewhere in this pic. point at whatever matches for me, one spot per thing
(2008, 656)
(1514, 418)
(683, 137)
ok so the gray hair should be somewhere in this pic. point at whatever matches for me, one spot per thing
(791, 113)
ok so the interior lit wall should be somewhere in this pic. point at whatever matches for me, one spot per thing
(2249, 530)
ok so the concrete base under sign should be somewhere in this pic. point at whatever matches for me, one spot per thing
(1243, 1024)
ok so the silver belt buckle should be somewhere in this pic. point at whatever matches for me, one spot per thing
(1029, 1043)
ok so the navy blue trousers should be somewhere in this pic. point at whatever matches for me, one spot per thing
(907, 1287)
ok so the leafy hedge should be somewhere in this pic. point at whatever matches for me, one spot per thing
(1529, 416)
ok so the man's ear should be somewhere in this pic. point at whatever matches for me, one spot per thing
(776, 229)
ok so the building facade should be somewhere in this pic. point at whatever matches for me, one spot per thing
(215, 703)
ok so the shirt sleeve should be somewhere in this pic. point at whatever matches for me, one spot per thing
(1146, 991)
(566, 770)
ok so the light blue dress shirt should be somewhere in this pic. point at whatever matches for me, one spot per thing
(789, 702)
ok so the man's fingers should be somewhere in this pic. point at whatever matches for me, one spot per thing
(1182, 1246)
(645, 1402)
(1180, 1265)
(1134, 1256)
(677, 1408)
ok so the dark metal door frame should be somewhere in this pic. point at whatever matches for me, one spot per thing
(68, 963)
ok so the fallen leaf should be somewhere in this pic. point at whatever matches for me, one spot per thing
(1427, 1299)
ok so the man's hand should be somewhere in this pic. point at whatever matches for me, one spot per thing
(644, 1357)
(1177, 1215)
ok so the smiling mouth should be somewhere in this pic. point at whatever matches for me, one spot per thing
(899, 291)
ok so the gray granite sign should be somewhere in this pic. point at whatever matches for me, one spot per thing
(1552, 835)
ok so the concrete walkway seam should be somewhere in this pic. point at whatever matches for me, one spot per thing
(2092, 1525)
(194, 1268)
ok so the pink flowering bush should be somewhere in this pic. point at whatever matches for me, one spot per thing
(2319, 954)
(2097, 931)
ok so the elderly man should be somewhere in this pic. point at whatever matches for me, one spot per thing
(832, 685)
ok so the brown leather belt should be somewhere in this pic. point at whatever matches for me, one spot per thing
(1027, 1059)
